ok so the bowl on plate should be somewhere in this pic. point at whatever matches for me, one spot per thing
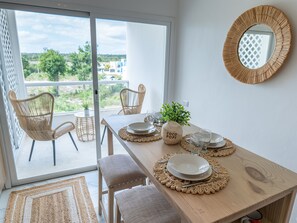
(141, 126)
(187, 164)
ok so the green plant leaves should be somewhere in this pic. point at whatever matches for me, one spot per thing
(175, 112)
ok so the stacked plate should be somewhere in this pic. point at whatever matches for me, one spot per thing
(141, 128)
(189, 167)
(217, 141)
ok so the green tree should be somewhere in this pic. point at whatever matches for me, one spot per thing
(82, 62)
(26, 66)
(54, 64)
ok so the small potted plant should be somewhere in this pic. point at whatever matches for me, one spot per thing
(175, 116)
(86, 108)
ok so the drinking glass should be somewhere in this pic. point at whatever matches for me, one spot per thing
(200, 139)
(150, 117)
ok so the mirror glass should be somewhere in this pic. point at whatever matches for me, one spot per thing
(256, 46)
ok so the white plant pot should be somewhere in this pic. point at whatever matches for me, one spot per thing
(87, 112)
(172, 133)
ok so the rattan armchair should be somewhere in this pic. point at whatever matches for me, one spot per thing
(131, 101)
(35, 116)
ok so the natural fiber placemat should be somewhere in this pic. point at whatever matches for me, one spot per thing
(140, 138)
(226, 150)
(216, 182)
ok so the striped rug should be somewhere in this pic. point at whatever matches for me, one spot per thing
(64, 201)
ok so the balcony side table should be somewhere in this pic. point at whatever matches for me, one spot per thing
(85, 126)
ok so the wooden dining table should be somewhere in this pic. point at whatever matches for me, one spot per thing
(255, 182)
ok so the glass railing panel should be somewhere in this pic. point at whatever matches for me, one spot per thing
(71, 96)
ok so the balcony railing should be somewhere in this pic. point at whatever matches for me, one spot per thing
(71, 95)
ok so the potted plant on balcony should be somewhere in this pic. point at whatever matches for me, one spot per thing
(86, 108)
(175, 116)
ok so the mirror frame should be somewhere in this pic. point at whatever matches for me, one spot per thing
(278, 22)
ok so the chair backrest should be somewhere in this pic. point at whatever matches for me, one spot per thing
(35, 114)
(132, 100)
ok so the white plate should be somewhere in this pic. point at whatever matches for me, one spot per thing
(216, 138)
(217, 145)
(188, 164)
(190, 178)
(141, 126)
(131, 131)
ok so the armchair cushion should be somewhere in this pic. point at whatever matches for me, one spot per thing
(62, 129)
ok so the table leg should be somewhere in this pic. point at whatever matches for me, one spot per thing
(109, 142)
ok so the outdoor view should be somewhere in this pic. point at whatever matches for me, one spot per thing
(57, 49)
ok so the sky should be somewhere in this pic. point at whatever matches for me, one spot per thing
(37, 31)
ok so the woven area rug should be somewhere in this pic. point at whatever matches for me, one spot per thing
(64, 201)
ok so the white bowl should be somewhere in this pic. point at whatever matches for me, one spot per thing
(141, 126)
(199, 177)
(188, 164)
(149, 132)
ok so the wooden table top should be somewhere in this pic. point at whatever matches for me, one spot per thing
(254, 181)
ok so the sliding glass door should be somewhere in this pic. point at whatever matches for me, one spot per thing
(84, 62)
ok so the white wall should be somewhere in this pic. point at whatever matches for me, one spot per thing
(146, 61)
(261, 118)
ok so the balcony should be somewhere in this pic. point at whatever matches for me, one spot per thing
(67, 157)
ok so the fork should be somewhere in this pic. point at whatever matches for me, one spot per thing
(200, 182)
(223, 148)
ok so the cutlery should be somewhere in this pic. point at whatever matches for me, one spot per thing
(223, 148)
(200, 182)
(162, 161)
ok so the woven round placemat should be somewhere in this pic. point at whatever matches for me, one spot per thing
(140, 138)
(217, 181)
(226, 150)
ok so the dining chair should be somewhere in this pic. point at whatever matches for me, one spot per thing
(119, 172)
(35, 115)
(144, 204)
(131, 102)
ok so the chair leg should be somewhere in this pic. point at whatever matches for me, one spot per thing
(105, 127)
(99, 191)
(110, 205)
(118, 215)
(32, 147)
(73, 140)
(54, 152)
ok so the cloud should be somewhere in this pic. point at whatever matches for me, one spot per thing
(37, 31)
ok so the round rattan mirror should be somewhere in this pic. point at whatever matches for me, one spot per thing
(241, 53)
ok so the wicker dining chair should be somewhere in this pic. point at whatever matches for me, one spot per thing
(35, 116)
(131, 101)
(119, 172)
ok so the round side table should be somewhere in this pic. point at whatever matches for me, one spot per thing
(85, 126)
